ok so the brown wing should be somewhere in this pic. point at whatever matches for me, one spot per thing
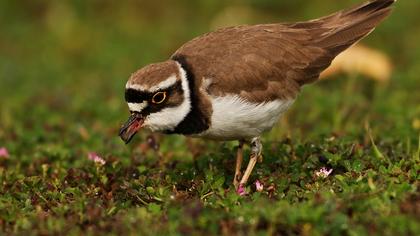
(270, 61)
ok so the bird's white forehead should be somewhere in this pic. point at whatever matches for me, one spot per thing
(170, 81)
(138, 107)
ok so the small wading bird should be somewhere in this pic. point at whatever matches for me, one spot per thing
(235, 83)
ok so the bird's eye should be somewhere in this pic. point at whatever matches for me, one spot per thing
(159, 97)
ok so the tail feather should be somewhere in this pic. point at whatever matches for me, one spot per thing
(345, 28)
(337, 32)
(369, 7)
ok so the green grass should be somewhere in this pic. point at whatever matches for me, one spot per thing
(63, 66)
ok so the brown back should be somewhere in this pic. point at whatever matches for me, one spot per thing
(271, 61)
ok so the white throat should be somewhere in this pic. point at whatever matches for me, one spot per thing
(169, 118)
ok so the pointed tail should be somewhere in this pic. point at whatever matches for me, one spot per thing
(347, 27)
(337, 32)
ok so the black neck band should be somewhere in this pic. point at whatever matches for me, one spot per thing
(196, 121)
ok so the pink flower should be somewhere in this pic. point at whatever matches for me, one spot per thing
(4, 153)
(323, 172)
(259, 186)
(241, 190)
(93, 156)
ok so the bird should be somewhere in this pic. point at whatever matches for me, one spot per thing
(233, 84)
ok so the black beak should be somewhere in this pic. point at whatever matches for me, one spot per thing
(130, 128)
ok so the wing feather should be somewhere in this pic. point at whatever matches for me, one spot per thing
(271, 61)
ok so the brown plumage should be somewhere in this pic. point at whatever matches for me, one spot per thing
(270, 61)
(149, 75)
(234, 83)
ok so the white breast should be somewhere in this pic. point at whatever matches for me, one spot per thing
(234, 118)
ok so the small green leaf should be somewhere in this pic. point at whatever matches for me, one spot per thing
(150, 190)
(112, 210)
(378, 154)
(154, 208)
(357, 166)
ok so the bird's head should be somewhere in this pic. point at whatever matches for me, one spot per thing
(158, 98)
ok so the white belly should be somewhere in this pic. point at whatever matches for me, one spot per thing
(234, 118)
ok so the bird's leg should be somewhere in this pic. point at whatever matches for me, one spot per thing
(239, 158)
(256, 149)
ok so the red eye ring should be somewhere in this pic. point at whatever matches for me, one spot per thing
(159, 97)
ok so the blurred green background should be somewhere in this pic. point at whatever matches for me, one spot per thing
(63, 67)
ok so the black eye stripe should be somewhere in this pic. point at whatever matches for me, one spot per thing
(135, 96)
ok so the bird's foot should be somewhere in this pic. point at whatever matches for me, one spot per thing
(256, 149)
(239, 158)
(236, 180)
